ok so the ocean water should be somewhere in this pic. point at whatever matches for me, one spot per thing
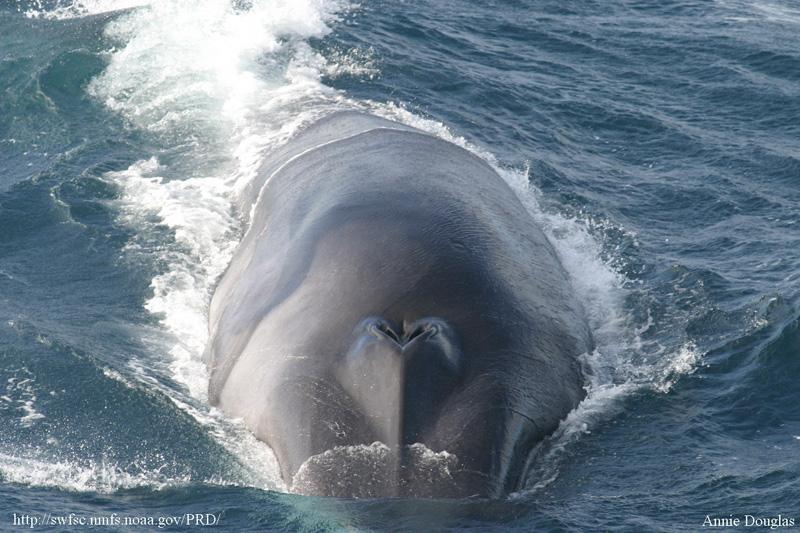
(656, 142)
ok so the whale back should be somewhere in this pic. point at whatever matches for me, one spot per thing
(391, 288)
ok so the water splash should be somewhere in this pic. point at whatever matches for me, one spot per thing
(71, 9)
(93, 476)
(20, 396)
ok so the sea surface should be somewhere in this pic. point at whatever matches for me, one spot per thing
(657, 142)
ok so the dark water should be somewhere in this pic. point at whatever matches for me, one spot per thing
(658, 143)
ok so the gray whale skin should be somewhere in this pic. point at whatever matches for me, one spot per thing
(393, 322)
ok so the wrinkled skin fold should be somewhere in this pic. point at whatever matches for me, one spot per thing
(393, 322)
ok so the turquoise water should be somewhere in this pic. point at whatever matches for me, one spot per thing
(657, 143)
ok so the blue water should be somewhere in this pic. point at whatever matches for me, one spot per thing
(657, 143)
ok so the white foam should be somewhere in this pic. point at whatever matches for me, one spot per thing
(208, 71)
(198, 215)
(89, 477)
(69, 9)
(20, 394)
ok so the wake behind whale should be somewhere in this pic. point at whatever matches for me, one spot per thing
(393, 322)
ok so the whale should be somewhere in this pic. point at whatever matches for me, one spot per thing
(393, 323)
